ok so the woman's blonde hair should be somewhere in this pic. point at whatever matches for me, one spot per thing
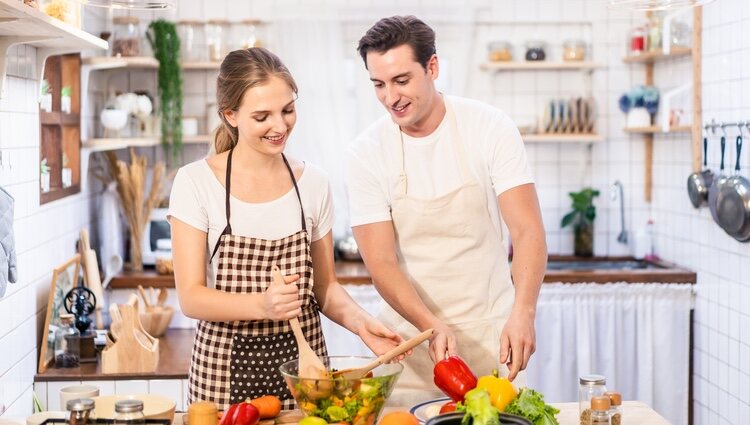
(242, 70)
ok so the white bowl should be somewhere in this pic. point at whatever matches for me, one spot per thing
(113, 119)
(154, 406)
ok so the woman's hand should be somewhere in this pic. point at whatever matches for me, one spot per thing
(282, 302)
(378, 337)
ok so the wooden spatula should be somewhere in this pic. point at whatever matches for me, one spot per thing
(310, 365)
(359, 372)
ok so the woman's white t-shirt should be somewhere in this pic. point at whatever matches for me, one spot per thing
(198, 199)
(493, 146)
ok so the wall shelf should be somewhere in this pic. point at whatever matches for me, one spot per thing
(201, 65)
(21, 24)
(658, 130)
(658, 56)
(562, 138)
(139, 62)
(111, 144)
(540, 66)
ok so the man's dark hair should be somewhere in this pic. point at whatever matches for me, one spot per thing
(395, 31)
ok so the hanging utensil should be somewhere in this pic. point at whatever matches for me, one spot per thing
(733, 202)
(715, 188)
(698, 183)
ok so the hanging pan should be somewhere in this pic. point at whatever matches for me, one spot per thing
(719, 180)
(733, 202)
(698, 183)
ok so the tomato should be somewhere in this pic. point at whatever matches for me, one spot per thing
(448, 407)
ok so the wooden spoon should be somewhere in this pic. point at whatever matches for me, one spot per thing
(310, 366)
(359, 372)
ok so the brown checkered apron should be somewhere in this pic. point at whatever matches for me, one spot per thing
(233, 361)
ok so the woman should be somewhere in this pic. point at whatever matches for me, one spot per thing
(235, 215)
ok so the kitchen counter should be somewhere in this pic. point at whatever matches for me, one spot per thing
(355, 272)
(174, 360)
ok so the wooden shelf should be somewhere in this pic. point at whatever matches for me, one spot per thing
(561, 138)
(540, 66)
(140, 62)
(58, 118)
(658, 56)
(197, 139)
(111, 144)
(658, 130)
(201, 65)
(21, 24)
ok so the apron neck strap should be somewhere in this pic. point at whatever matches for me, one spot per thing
(296, 189)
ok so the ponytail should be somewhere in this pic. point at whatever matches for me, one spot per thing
(226, 137)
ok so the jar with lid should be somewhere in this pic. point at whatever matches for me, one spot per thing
(129, 412)
(67, 343)
(655, 34)
(615, 409)
(600, 411)
(590, 386)
(574, 50)
(499, 51)
(68, 11)
(246, 34)
(81, 411)
(217, 32)
(535, 50)
(202, 413)
(127, 36)
(637, 41)
(192, 40)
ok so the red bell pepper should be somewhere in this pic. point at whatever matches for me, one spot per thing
(241, 414)
(454, 377)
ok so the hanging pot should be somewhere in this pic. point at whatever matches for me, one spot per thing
(698, 183)
(733, 202)
(715, 188)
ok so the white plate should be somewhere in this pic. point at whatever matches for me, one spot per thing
(427, 409)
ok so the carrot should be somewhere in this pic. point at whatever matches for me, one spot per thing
(269, 406)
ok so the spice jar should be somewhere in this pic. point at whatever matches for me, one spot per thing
(217, 31)
(615, 410)
(129, 412)
(499, 51)
(590, 386)
(192, 40)
(600, 411)
(574, 50)
(127, 36)
(67, 343)
(202, 413)
(637, 41)
(535, 50)
(80, 411)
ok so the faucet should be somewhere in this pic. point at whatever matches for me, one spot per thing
(617, 187)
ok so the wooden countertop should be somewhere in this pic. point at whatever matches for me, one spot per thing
(355, 272)
(174, 361)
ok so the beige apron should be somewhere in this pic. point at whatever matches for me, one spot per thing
(454, 256)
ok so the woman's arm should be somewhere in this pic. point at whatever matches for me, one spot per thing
(203, 303)
(339, 306)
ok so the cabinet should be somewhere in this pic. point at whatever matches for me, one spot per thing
(648, 61)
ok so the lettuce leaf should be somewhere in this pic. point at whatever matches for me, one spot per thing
(530, 404)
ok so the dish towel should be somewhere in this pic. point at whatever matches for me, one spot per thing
(7, 244)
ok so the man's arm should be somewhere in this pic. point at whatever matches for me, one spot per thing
(377, 245)
(520, 211)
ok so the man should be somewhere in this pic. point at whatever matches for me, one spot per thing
(428, 185)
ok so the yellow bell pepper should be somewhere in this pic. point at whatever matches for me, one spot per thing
(501, 390)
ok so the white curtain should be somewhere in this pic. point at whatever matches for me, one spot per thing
(313, 52)
(636, 335)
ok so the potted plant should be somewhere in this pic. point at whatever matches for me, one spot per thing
(65, 99)
(45, 97)
(582, 218)
(44, 170)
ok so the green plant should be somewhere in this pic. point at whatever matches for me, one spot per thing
(162, 35)
(43, 167)
(66, 91)
(584, 211)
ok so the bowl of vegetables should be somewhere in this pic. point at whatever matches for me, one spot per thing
(339, 399)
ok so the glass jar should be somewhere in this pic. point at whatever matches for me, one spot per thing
(129, 412)
(637, 41)
(500, 51)
(81, 411)
(67, 343)
(680, 34)
(246, 34)
(192, 40)
(655, 34)
(615, 409)
(127, 36)
(68, 11)
(590, 386)
(600, 411)
(574, 50)
(535, 50)
(202, 413)
(217, 32)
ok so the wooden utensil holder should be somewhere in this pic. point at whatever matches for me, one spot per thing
(134, 350)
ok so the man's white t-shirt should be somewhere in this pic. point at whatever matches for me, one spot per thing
(198, 199)
(494, 150)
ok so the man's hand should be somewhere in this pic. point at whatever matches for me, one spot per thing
(517, 342)
(378, 337)
(442, 343)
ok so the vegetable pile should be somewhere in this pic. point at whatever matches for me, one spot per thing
(483, 399)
